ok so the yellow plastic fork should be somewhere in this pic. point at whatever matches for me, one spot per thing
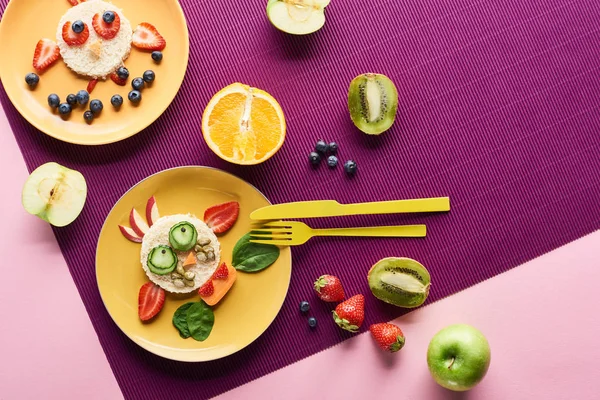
(291, 233)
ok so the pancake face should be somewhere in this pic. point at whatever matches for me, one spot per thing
(159, 235)
(97, 57)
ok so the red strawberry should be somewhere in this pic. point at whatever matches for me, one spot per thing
(46, 52)
(207, 289)
(105, 30)
(150, 301)
(222, 272)
(222, 216)
(388, 336)
(72, 38)
(146, 37)
(329, 288)
(350, 314)
(116, 79)
(91, 85)
(73, 2)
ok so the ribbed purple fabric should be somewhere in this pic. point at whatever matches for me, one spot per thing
(499, 109)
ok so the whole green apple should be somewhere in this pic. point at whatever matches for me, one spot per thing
(458, 357)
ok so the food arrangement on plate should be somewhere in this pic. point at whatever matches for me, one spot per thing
(94, 39)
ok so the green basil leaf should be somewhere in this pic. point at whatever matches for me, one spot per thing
(200, 320)
(180, 320)
(253, 257)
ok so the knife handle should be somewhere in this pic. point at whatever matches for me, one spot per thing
(398, 206)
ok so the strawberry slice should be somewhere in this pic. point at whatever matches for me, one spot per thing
(73, 2)
(222, 216)
(150, 301)
(146, 37)
(46, 52)
(91, 85)
(106, 30)
(222, 272)
(207, 289)
(119, 81)
(72, 38)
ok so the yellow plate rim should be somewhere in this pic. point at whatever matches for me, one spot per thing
(104, 303)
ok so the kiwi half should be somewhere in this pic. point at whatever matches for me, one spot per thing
(402, 282)
(373, 103)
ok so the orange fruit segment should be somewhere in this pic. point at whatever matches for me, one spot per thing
(243, 125)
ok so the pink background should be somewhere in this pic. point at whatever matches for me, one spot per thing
(541, 320)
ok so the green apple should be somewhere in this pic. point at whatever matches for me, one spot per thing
(54, 193)
(458, 357)
(297, 17)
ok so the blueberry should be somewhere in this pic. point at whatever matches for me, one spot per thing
(96, 106)
(123, 73)
(53, 100)
(149, 76)
(312, 322)
(71, 99)
(32, 79)
(108, 17)
(304, 306)
(83, 97)
(88, 116)
(321, 147)
(116, 100)
(157, 56)
(135, 96)
(78, 26)
(333, 148)
(350, 167)
(314, 158)
(332, 161)
(137, 84)
(64, 109)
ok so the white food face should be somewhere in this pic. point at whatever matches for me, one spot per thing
(159, 235)
(97, 57)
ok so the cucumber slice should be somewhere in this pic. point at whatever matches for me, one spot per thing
(162, 260)
(183, 236)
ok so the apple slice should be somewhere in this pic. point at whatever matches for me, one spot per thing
(137, 223)
(55, 194)
(152, 211)
(297, 17)
(130, 234)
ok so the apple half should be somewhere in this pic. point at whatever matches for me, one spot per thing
(297, 17)
(55, 194)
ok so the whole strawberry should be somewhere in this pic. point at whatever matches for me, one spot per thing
(329, 288)
(350, 314)
(388, 336)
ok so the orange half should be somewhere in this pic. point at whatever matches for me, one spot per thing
(243, 125)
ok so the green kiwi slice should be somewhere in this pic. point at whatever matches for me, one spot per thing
(373, 103)
(402, 282)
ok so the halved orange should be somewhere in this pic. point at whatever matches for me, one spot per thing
(243, 125)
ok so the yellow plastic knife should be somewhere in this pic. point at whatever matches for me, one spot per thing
(331, 208)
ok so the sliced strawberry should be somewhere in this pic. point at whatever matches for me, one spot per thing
(46, 52)
(106, 30)
(73, 2)
(150, 301)
(222, 216)
(91, 85)
(207, 289)
(222, 272)
(119, 81)
(75, 39)
(146, 37)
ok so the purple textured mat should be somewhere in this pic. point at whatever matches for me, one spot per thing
(498, 109)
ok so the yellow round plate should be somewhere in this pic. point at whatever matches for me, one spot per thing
(243, 314)
(25, 22)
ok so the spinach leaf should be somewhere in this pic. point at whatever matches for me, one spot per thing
(253, 257)
(180, 320)
(200, 320)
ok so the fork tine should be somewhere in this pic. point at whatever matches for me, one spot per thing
(272, 242)
(275, 230)
(273, 236)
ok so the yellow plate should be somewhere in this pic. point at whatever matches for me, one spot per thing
(244, 313)
(25, 22)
